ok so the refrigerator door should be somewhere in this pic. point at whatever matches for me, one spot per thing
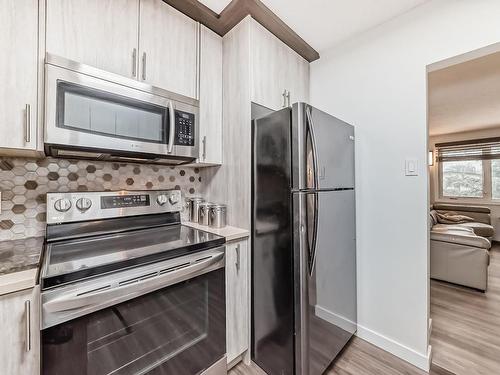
(272, 278)
(325, 277)
(323, 150)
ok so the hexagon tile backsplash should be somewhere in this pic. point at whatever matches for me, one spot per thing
(25, 182)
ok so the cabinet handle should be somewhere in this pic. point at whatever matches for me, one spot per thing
(27, 308)
(144, 57)
(284, 98)
(204, 156)
(238, 257)
(27, 113)
(134, 63)
(288, 98)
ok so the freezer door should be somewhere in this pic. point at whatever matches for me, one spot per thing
(272, 280)
(325, 277)
(323, 150)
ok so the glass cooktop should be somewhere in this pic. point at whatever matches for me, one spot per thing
(71, 260)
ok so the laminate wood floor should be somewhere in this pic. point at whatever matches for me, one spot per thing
(358, 358)
(465, 335)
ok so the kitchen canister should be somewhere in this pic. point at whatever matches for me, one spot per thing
(194, 209)
(204, 213)
(218, 215)
(188, 208)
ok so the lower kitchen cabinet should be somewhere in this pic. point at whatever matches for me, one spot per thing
(20, 332)
(237, 299)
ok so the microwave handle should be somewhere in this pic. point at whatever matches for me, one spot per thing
(171, 128)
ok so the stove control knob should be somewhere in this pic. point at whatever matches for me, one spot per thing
(173, 199)
(162, 199)
(62, 205)
(83, 204)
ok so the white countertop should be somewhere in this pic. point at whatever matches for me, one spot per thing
(230, 233)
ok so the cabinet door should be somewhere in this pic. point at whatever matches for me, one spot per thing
(168, 43)
(100, 33)
(237, 299)
(268, 60)
(297, 79)
(210, 98)
(20, 333)
(18, 73)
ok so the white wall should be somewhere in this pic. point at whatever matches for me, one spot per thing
(434, 170)
(377, 81)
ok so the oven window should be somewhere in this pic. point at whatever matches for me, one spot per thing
(176, 330)
(97, 112)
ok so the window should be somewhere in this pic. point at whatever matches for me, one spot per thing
(470, 170)
(495, 179)
(463, 179)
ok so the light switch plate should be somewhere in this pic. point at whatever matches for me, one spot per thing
(411, 167)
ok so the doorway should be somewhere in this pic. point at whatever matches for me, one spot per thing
(464, 214)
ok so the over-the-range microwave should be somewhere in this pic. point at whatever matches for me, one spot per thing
(93, 114)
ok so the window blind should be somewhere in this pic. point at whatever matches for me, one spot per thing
(483, 149)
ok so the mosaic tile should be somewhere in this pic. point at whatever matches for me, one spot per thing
(24, 184)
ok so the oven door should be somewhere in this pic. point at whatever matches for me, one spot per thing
(176, 329)
(87, 109)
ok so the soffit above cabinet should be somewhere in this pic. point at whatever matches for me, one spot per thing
(306, 26)
(235, 11)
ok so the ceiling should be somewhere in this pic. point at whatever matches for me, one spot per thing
(325, 23)
(465, 96)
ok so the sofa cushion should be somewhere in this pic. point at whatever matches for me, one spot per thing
(460, 237)
(448, 227)
(483, 230)
(463, 208)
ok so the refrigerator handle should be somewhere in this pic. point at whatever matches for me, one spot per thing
(312, 157)
(312, 229)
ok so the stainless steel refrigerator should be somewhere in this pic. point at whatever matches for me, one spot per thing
(303, 240)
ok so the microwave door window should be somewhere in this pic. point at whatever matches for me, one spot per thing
(93, 111)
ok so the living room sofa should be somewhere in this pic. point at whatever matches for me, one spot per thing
(460, 252)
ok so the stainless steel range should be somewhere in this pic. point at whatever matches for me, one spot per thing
(127, 289)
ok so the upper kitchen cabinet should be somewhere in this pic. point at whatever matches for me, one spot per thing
(280, 76)
(100, 33)
(168, 43)
(18, 76)
(210, 136)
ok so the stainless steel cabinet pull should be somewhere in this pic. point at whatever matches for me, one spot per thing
(288, 98)
(144, 57)
(27, 308)
(238, 257)
(27, 113)
(284, 98)
(134, 63)
(204, 156)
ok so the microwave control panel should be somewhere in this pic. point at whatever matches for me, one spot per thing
(184, 128)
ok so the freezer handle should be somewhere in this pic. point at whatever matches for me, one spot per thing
(311, 154)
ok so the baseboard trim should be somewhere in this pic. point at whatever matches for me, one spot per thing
(335, 319)
(407, 354)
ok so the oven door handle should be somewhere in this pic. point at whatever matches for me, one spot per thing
(135, 287)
